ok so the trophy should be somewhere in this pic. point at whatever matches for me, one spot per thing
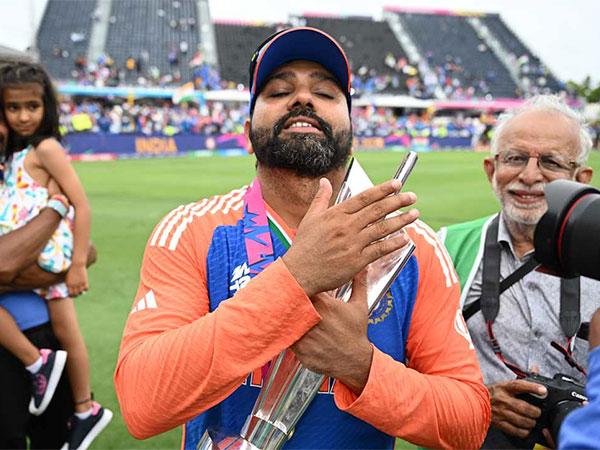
(289, 387)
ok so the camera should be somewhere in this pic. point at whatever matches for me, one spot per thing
(567, 237)
(567, 244)
(564, 395)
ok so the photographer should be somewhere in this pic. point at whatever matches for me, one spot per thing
(542, 141)
(580, 429)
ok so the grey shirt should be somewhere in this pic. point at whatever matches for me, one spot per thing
(528, 321)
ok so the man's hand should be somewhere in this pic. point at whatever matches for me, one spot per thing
(334, 244)
(594, 336)
(510, 414)
(338, 345)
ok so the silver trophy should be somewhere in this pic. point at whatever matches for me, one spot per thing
(289, 387)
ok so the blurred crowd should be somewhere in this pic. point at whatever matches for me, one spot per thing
(400, 76)
(212, 118)
(215, 118)
(137, 71)
(455, 82)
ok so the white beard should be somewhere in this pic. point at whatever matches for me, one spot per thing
(528, 215)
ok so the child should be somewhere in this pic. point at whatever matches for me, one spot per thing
(33, 159)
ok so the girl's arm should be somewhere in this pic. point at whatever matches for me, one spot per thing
(54, 160)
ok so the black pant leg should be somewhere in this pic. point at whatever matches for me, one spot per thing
(15, 392)
(48, 431)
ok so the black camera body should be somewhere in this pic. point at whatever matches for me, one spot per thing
(564, 395)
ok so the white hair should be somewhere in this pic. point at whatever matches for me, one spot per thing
(546, 103)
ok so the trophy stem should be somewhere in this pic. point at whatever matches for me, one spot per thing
(288, 390)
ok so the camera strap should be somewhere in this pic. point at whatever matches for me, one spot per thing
(492, 288)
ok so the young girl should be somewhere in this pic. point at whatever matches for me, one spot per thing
(33, 159)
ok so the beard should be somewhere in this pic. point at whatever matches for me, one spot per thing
(306, 154)
(520, 214)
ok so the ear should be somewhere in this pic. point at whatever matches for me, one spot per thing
(489, 166)
(249, 148)
(584, 175)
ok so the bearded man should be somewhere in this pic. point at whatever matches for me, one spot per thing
(533, 326)
(228, 283)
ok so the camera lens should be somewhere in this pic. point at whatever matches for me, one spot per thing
(566, 238)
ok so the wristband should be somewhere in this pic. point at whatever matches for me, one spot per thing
(59, 204)
(61, 198)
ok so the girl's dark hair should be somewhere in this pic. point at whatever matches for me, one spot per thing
(16, 74)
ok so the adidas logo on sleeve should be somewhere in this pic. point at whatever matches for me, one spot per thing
(148, 301)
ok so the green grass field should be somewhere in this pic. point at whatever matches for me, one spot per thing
(129, 197)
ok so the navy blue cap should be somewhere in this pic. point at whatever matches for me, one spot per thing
(293, 44)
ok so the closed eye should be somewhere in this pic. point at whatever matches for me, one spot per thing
(278, 94)
(325, 95)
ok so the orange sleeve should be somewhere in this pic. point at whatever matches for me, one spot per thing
(437, 400)
(177, 359)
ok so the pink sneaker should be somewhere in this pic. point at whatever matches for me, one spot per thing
(45, 380)
(83, 431)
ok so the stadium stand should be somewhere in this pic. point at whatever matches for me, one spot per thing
(461, 59)
(158, 43)
(63, 35)
(155, 33)
(235, 44)
(375, 55)
(530, 66)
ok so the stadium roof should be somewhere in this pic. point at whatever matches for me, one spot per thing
(11, 54)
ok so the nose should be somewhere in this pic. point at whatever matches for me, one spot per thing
(531, 173)
(24, 115)
(302, 98)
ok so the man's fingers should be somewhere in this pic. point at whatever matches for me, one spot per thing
(322, 198)
(521, 386)
(359, 287)
(380, 209)
(381, 248)
(523, 408)
(384, 228)
(509, 428)
(371, 195)
(527, 409)
(518, 420)
(549, 439)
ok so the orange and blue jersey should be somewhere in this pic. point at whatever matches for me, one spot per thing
(203, 324)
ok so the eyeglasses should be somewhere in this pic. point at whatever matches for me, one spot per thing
(553, 164)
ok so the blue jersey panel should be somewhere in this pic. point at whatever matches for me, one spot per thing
(323, 425)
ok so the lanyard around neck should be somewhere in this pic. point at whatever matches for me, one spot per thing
(492, 288)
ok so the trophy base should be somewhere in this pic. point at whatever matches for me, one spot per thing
(212, 440)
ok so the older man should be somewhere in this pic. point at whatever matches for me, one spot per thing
(221, 294)
(519, 322)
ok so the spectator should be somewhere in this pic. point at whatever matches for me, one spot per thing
(543, 140)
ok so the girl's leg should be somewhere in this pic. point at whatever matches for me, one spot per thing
(45, 365)
(13, 339)
(66, 328)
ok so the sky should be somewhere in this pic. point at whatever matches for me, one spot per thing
(565, 34)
